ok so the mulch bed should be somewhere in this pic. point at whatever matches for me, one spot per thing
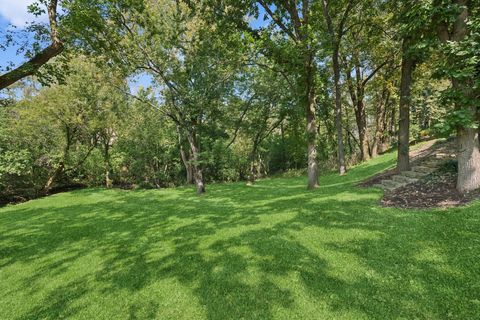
(436, 190)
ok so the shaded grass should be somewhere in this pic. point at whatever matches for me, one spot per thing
(270, 251)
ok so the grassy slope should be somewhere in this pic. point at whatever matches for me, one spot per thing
(274, 250)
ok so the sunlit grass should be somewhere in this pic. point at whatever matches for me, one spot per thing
(272, 250)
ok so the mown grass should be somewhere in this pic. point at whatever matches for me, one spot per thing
(271, 251)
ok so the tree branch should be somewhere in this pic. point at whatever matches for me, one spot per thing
(372, 74)
(277, 21)
(247, 106)
(31, 67)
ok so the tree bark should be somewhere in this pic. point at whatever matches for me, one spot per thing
(336, 34)
(311, 124)
(53, 177)
(468, 153)
(197, 169)
(108, 181)
(357, 96)
(252, 177)
(185, 158)
(61, 166)
(392, 128)
(300, 35)
(408, 65)
(361, 118)
(342, 168)
(468, 156)
(380, 123)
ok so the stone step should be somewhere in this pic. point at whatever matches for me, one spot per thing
(434, 159)
(433, 165)
(392, 185)
(443, 155)
(412, 174)
(404, 179)
(423, 169)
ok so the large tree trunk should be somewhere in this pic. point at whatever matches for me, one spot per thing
(311, 124)
(197, 169)
(468, 156)
(342, 168)
(468, 153)
(408, 64)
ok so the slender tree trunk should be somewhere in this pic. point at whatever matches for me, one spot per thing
(336, 34)
(311, 124)
(188, 166)
(284, 151)
(408, 65)
(347, 129)
(108, 181)
(380, 123)
(53, 177)
(185, 158)
(392, 131)
(61, 166)
(361, 118)
(253, 166)
(342, 168)
(197, 169)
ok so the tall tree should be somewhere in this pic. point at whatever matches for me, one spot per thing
(408, 66)
(172, 43)
(294, 20)
(336, 31)
(412, 19)
(457, 27)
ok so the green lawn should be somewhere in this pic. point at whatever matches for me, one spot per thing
(271, 251)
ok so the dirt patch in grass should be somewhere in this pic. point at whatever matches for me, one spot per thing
(437, 190)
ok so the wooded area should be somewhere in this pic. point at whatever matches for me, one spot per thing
(162, 93)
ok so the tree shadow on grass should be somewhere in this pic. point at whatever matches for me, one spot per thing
(242, 252)
(58, 303)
